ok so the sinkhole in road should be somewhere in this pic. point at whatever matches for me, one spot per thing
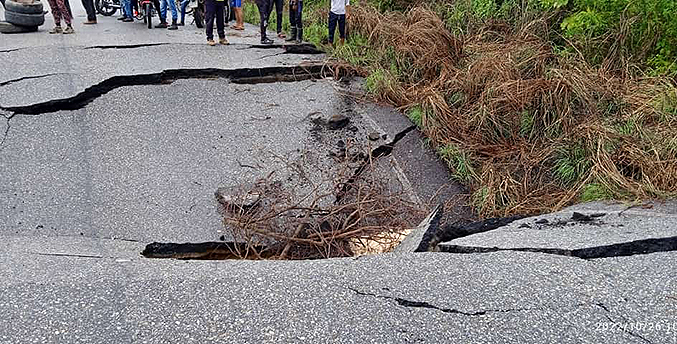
(342, 209)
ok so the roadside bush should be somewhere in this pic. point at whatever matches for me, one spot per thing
(533, 104)
(527, 126)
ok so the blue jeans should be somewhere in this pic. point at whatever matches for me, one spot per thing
(184, 4)
(163, 9)
(126, 8)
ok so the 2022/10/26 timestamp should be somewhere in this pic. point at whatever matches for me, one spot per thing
(638, 326)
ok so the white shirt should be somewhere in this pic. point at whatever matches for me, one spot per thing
(339, 6)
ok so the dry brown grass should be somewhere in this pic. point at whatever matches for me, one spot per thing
(515, 109)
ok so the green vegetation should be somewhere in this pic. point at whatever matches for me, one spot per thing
(595, 192)
(573, 165)
(459, 162)
(415, 114)
(533, 104)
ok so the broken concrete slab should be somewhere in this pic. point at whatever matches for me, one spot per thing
(149, 171)
(420, 237)
(527, 297)
(595, 232)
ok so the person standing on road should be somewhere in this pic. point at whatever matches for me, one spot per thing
(61, 11)
(163, 15)
(279, 8)
(339, 9)
(296, 21)
(239, 17)
(215, 8)
(184, 4)
(126, 8)
(264, 13)
(91, 11)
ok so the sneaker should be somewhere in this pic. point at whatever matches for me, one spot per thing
(162, 25)
(223, 41)
(89, 22)
(68, 30)
(266, 41)
(122, 18)
(211, 42)
(127, 20)
(56, 29)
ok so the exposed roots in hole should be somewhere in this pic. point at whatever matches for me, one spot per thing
(306, 211)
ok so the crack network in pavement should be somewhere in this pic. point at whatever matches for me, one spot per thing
(631, 248)
(621, 327)
(419, 304)
(242, 75)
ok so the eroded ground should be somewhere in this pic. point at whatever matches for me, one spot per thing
(118, 136)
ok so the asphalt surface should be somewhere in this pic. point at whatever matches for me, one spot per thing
(83, 190)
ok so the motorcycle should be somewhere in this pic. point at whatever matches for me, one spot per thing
(147, 11)
(107, 7)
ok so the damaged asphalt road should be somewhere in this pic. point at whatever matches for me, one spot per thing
(119, 136)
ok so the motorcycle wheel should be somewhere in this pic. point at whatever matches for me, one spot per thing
(105, 7)
(189, 10)
(149, 15)
(198, 15)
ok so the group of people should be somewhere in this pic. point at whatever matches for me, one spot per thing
(214, 11)
(61, 9)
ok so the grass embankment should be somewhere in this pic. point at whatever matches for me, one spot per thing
(534, 105)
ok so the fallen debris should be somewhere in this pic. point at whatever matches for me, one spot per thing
(337, 121)
(308, 212)
(230, 197)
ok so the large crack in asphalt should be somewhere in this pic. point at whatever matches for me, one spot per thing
(422, 304)
(9, 82)
(378, 152)
(637, 247)
(241, 75)
(130, 46)
(211, 250)
(12, 50)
